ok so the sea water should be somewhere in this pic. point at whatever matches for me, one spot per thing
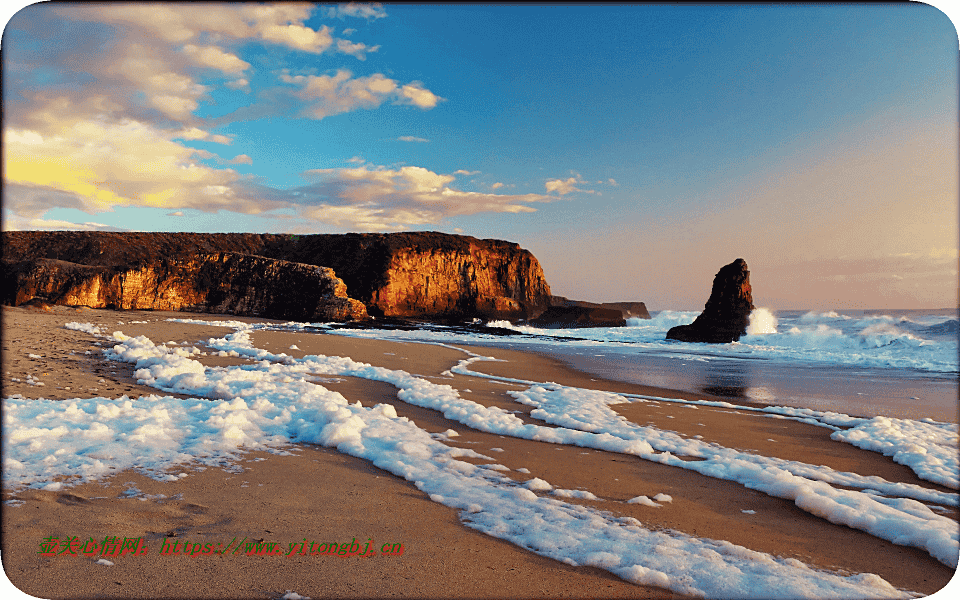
(895, 363)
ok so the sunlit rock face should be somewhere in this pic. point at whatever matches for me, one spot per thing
(432, 275)
(224, 282)
(414, 275)
(727, 313)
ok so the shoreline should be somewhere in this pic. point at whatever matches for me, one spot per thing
(357, 499)
(853, 390)
(849, 390)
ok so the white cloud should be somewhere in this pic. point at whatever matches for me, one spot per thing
(327, 95)
(410, 138)
(164, 59)
(463, 172)
(367, 11)
(118, 136)
(239, 84)
(101, 165)
(416, 95)
(193, 133)
(179, 23)
(16, 223)
(381, 198)
(566, 186)
(357, 50)
(216, 58)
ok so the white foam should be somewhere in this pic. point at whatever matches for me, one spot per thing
(762, 322)
(929, 448)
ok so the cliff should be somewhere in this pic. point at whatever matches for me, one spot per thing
(212, 283)
(428, 275)
(414, 275)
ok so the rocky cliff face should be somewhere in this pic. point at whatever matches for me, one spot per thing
(429, 275)
(418, 275)
(727, 313)
(212, 283)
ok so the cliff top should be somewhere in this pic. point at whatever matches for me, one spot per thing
(113, 248)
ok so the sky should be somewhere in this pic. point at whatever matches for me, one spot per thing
(633, 149)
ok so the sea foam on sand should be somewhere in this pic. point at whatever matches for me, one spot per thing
(273, 402)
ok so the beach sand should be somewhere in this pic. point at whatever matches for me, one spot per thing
(316, 494)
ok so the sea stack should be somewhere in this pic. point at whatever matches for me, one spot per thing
(727, 313)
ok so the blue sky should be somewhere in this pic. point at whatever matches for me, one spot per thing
(634, 149)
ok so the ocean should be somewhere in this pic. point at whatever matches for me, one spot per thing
(901, 363)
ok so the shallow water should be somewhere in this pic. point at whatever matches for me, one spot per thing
(866, 363)
(849, 390)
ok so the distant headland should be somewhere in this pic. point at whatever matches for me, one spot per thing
(329, 277)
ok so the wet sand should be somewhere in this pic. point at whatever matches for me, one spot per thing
(320, 495)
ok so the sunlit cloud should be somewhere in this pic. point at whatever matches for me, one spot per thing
(117, 136)
(356, 50)
(159, 63)
(566, 186)
(381, 198)
(16, 223)
(216, 58)
(179, 23)
(327, 95)
(414, 94)
(101, 165)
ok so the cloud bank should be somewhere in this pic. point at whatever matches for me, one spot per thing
(108, 120)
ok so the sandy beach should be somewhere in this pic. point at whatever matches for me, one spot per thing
(308, 494)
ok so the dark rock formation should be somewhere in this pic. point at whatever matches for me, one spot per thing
(564, 317)
(727, 313)
(413, 275)
(627, 309)
(222, 282)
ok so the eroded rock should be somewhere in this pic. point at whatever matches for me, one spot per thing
(727, 313)
(222, 282)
